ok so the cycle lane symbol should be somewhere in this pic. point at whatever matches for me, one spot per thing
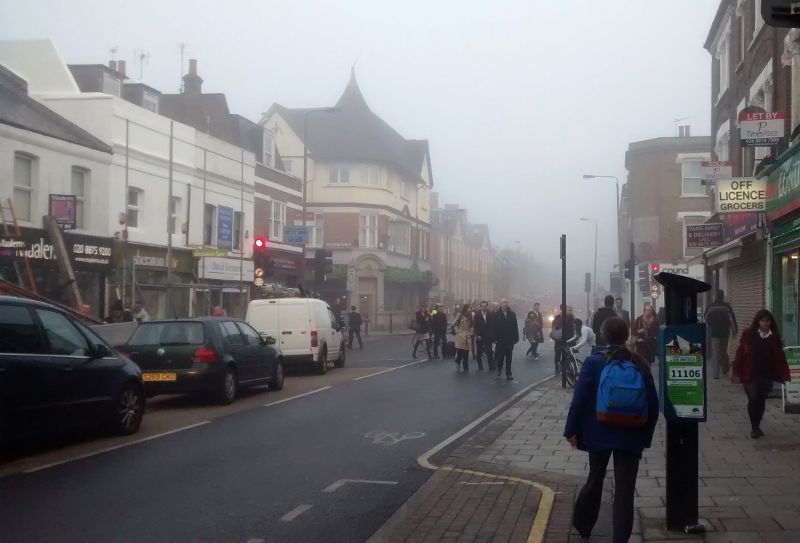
(382, 437)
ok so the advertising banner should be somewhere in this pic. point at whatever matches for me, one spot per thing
(87, 253)
(682, 349)
(225, 227)
(741, 195)
(760, 129)
(714, 170)
(704, 236)
(64, 209)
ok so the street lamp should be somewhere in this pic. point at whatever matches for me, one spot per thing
(594, 278)
(589, 177)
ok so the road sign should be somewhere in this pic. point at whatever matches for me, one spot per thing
(259, 281)
(259, 272)
(296, 234)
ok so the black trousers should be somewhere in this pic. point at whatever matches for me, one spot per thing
(462, 355)
(357, 333)
(439, 340)
(533, 349)
(587, 506)
(427, 346)
(757, 392)
(483, 347)
(502, 354)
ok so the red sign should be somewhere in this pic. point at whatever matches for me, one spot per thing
(761, 128)
(64, 209)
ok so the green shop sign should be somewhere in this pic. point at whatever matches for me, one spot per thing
(783, 184)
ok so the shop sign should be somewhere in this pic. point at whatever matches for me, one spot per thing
(738, 225)
(225, 227)
(86, 252)
(783, 188)
(298, 218)
(225, 269)
(741, 195)
(288, 263)
(760, 129)
(683, 373)
(198, 252)
(791, 390)
(145, 256)
(64, 210)
(704, 236)
(719, 169)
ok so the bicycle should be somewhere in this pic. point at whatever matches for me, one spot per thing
(570, 365)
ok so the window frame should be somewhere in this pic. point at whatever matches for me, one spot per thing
(342, 176)
(243, 329)
(277, 220)
(367, 232)
(209, 227)
(80, 199)
(226, 334)
(29, 189)
(135, 207)
(238, 230)
(699, 179)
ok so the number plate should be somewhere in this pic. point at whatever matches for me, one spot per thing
(159, 377)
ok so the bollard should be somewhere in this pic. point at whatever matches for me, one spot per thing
(682, 392)
(366, 326)
(390, 323)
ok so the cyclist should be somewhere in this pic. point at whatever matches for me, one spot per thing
(584, 340)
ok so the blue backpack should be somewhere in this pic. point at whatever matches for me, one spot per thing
(621, 395)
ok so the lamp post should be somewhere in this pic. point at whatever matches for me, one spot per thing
(589, 177)
(594, 277)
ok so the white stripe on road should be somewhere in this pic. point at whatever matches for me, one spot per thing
(298, 396)
(115, 447)
(341, 482)
(424, 459)
(254, 540)
(489, 483)
(390, 369)
(296, 512)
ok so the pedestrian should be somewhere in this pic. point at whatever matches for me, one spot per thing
(645, 330)
(760, 360)
(463, 326)
(538, 330)
(720, 321)
(594, 425)
(600, 316)
(140, 314)
(527, 331)
(622, 313)
(423, 330)
(583, 341)
(118, 313)
(483, 336)
(439, 330)
(563, 330)
(505, 331)
(217, 311)
(354, 328)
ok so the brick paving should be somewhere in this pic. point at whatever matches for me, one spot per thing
(749, 490)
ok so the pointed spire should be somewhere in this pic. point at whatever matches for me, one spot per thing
(352, 98)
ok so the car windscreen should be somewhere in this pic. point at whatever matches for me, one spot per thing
(168, 333)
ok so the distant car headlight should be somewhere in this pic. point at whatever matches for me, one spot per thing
(551, 318)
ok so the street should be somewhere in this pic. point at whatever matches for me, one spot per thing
(330, 458)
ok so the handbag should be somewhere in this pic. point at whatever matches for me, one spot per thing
(555, 335)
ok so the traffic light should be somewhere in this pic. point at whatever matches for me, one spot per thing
(629, 270)
(262, 261)
(654, 267)
(655, 291)
(644, 274)
(323, 263)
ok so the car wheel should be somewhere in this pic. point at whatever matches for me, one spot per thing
(339, 363)
(128, 410)
(228, 387)
(322, 365)
(276, 382)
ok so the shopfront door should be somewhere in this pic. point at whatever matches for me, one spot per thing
(789, 290)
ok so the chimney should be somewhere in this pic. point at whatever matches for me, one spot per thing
(684, 131)
(112, 64)
(121, 68)
(192, 83)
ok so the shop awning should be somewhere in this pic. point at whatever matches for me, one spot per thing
(724, 253)
(786, 236)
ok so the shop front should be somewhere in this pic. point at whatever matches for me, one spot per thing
(142, 276)
(91, 258)
(225, 285)
(783, 214)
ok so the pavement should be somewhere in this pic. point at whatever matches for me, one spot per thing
(515, 479)
(330, 458)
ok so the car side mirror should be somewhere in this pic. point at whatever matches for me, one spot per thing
(268, 340)
(100, 351)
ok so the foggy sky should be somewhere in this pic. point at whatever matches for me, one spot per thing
(518, 99)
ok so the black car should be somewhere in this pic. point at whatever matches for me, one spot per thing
(212, 354)
(55, 374)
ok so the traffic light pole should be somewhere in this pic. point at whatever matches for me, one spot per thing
(633, 283)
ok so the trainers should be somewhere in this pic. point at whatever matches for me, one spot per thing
(509, 378)
(759, 432)
(754, 434)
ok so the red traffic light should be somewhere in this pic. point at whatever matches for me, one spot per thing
(654, 268)
(260, 243)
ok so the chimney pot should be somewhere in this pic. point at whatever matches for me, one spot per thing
(112, 64)
(121, 68)
(193, 66)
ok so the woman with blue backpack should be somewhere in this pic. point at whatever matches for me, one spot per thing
(614, 411)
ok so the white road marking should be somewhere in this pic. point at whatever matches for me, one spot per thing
(382, 437)
(298, 396)
(390, 369)
(254, 540)
(424, 459)
(341, 482)
(115, 447)
(489, 483)
(296, 512)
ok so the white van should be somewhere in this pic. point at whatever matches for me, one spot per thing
(305, 329)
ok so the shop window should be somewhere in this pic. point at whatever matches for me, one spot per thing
(23, 186)
(135, 203)
(278, 220)
(209, 219)
(789, 318)
(78, 189)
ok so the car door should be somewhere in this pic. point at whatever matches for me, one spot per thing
(327, 329)
(261, 356)
(337, 334)
(233, 344)
(28, 378)
(80, 397)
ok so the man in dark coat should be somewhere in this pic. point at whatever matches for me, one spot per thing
(565, 323)
(622, 313)
(600, 316)
(354, 328)
(439, 330)
(721, 324)
(505, 331)
(483, 336)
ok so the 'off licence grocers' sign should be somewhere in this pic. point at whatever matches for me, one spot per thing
(761, 129)
(741, 195)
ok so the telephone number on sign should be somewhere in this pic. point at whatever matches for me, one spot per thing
(685, 373)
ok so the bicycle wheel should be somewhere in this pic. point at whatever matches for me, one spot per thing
(572, 371)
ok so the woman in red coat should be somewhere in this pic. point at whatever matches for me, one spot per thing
(760, 361)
